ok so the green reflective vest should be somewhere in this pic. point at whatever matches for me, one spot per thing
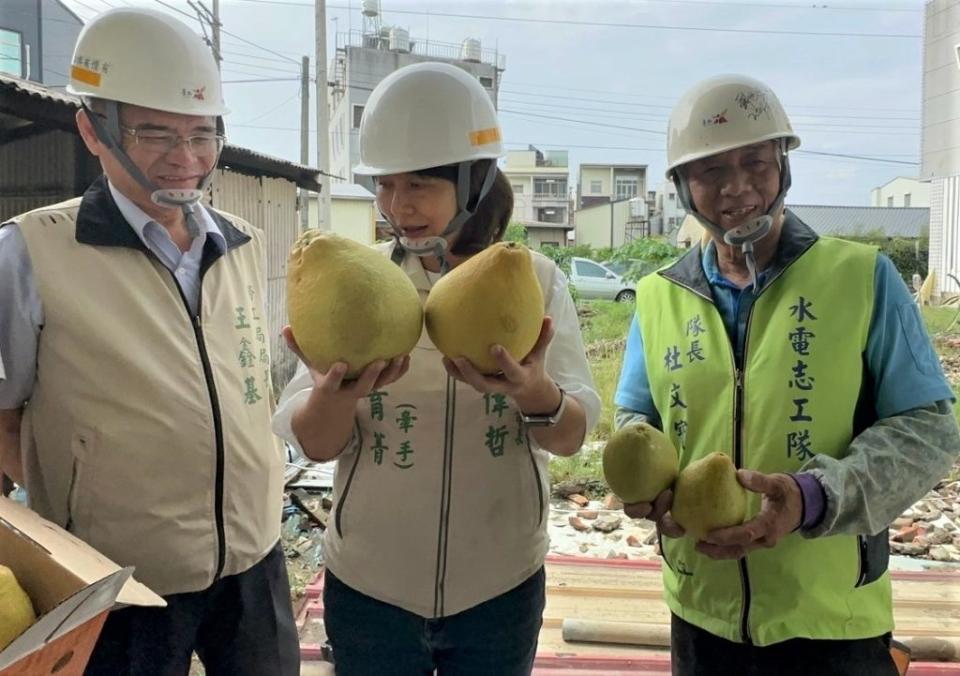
(796, 396)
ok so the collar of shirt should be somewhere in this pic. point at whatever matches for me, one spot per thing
(154, 236)
(711, 268)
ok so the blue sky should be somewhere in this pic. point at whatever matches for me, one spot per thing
(616, 70)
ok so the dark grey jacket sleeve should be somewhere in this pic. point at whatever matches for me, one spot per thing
(625, 416)
(890, 466)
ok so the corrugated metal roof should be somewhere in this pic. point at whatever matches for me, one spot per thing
(351, 191)
(22, 99)
(852, 221)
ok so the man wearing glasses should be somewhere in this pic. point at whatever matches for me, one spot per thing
(137, 399)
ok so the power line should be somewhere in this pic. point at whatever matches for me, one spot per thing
(296, 95)
(233, 35)
(652, 117)
(609, 24)
(262, 80)
(286, 71)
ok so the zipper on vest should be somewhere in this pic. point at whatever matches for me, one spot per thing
(218, 435)
(738, 462)
(217, 423)
(445, 500)
(862, 556)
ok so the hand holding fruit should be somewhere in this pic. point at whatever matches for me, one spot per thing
(780, 513)
(331, 384)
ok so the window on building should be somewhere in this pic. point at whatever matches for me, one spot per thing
(11, 53)
(906, 199)
(672, 221)
(486, 81)
(890, 201)
(671, 196)
(552, 215)
(596, 187)
(626, 187)
(553, 188)
(357, 116)
(517, 188)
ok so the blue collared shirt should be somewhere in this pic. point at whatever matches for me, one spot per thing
(22, 318)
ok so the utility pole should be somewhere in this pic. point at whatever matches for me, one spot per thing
(216, 32)
(205, 17)
(323, 123)
(304, 137)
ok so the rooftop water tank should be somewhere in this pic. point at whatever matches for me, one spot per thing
(370, 7)
(470, 50)
(399, 40)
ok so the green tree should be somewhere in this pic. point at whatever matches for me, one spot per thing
(516, 233)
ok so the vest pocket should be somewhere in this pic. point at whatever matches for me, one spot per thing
(83, 444)
(873, 552)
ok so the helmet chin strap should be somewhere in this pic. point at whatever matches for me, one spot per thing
(437, 245)
(186, 199)
(745, 234)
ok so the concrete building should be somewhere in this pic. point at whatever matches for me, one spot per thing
(940, 139)
(612, 224)
(605, 183)
(667, 214)
(540, 182)
(902, 191)
(36, 40)
(363, 58)
(353, 212)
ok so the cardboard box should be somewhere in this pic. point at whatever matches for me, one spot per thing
(72, 587)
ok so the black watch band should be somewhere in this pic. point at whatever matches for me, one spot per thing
(546, 419)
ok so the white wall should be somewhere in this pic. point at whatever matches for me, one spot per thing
(899, 191)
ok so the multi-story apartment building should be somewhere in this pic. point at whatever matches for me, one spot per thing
(603, 183)
(363, 58)
(668, 214)
(541, 193)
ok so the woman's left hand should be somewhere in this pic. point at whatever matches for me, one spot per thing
(525, 381)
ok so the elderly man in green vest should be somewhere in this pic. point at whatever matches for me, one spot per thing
(137, 395)
(805, 359)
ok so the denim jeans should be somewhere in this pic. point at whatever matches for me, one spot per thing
(372, 638)
(696, 652)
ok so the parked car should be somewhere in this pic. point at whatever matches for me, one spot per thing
(595, 280)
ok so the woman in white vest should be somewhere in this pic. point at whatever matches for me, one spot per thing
(438, 535)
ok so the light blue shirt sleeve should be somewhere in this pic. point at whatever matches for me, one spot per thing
(900, 356)
(20, 320)
(633, 390)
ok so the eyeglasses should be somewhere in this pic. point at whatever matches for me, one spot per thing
(201, 145)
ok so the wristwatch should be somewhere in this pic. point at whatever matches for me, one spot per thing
(546, 419)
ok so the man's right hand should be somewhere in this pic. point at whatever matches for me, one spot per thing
(657, 511)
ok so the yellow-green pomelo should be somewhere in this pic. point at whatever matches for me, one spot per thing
(16, 610)
(348, 302)
(639, 462)
(491, 298)
(707, 495)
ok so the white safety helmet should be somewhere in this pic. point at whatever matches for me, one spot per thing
(720, 114)
(427, 115)
(146, 58)
(723, 113)
(142, 57)
(431, 115)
